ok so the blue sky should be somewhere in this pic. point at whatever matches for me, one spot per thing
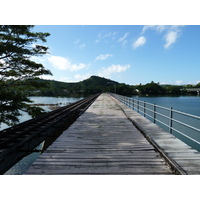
(130, 54)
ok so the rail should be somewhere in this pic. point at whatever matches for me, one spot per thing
(183, 125)
(20, 140)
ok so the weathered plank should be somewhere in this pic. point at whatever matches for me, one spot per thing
(59, 170)
(101, 141)
(179, 154)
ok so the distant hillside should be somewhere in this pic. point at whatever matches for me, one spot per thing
(92, 85)
(98, 81)
(96, 84)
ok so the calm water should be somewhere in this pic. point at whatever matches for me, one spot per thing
(25, 163)
(188, 104)
(62, 101)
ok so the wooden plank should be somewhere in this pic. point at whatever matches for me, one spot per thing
(107, 164)
(179, 153)
(101, 141)
(58, 170)
(100, 146)
(108, 150)
(91, 156)
(98, 160)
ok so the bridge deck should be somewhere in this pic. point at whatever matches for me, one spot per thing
(182, 158)
(101, 141)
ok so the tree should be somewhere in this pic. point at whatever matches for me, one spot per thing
(152, 89)
(18, 72)
(198, 85)
(173, 89)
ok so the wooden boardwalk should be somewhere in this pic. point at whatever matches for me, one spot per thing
(101, 141)
(182, 158)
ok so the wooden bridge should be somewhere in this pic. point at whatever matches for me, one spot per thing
(110, 138)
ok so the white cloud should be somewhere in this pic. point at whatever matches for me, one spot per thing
(103, 36)
(106, 72)
(47, 77)
(124, 42)
(62, 63)
(80, 77)
(82, 46)
(41, 60)
(178, 82)
(121, 39)
(103, 57)
(171, 32)
(74, 78)
(170, 38)
(139, 42)
(99, 38)
(193, 82)
(157, 28)
(78, 44)
(65, 79)
(113, 35)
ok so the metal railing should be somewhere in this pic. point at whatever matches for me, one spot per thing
(182, 125)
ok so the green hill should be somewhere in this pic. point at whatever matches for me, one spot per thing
(96, 84)
(92, 85)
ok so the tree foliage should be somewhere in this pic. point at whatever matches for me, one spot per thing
(18, 72)
(152, 89)
(96, 84)
(92, 85)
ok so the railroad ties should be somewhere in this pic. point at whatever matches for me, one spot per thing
(18, 141)
(101, 141)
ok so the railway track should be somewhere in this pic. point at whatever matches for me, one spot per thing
(18, 141)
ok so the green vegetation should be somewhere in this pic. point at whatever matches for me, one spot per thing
(151, 89)
(157, 89)
(92, 85)
(18, 73)
(96, 84)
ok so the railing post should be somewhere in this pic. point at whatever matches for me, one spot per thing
(154, 113)
(170, 120)
(130, 102)
(138, 107)
(144, 109)
(133, 104)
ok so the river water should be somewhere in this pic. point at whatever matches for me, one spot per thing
(188, 104)
(25, 163)
(181, 123)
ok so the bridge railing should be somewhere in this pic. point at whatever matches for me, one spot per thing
(183, 125)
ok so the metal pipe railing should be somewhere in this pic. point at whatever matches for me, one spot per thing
(176, 122)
